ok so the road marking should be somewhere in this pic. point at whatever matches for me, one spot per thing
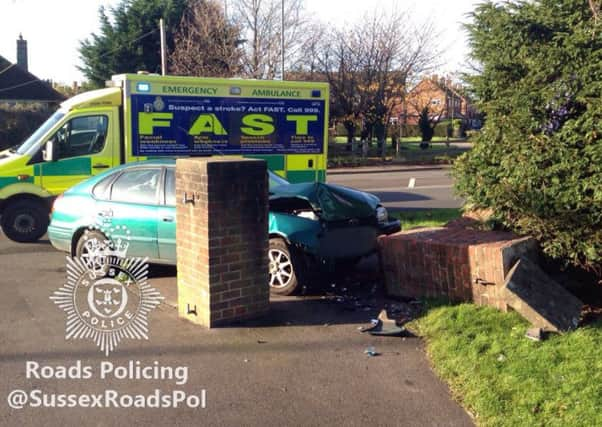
(434, 186)
(412, 183)
(401, 188)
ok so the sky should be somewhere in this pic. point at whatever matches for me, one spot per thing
(54, 28)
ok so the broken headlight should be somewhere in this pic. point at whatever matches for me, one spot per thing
(381, 214)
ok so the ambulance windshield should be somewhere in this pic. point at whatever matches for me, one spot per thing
(41, 131)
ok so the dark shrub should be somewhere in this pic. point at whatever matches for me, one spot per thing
(538, 160)
(17, 123)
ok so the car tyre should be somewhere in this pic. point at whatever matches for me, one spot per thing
(82, 247)
(282, 269)
(25, 221)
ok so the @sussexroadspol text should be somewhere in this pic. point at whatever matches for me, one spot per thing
(108, 398)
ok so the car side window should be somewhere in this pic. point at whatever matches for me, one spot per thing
(137, 186)
(82, 136)
(170, 187)
(101, 190)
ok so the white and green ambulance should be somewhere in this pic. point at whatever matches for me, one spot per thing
(141, 116)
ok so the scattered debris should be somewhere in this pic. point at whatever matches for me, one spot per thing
(384, 326)
(246, 360)
(371, 352)
(261, 342)
(535, 334)
(373, 322)
(539, 299)
(501, 358)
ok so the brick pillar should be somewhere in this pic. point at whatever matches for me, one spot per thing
(222, 239)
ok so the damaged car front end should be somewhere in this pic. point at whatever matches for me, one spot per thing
(317, 226)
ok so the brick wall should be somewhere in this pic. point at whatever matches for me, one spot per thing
(222, 239)
(456, 263)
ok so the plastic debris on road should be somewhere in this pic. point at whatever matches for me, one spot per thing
(384, 326)
(371, 352)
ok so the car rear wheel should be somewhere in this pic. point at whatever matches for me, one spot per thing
(282, 275)
(87, 248)
(25, 221)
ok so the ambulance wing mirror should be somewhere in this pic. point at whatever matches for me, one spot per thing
(50, 153)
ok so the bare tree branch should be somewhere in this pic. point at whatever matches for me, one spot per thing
(595, 7)
(206, 45)
(370, 64)
(261, 25)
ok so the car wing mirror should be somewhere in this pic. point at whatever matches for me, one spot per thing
(50, 153)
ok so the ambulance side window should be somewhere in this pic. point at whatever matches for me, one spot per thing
(82, 136)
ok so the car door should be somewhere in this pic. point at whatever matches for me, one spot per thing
(166, 223)
(85, 147)
(131, 212)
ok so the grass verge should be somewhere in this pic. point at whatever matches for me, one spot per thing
(503, 378)
(343, 139)
(426, 217)
(411, 153)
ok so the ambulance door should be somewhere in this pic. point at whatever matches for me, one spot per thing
(85, 145)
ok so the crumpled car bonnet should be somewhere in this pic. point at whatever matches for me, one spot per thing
(333, 202)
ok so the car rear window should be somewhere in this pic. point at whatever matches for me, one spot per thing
(101, 190)
(137, 186)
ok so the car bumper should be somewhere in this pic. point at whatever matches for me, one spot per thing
(60, 237)
(353, 242)
(390, 227)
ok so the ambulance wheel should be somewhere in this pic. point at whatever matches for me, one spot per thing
(25, 221)
(282, 275)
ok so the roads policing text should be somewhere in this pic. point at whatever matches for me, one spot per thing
(132, 370)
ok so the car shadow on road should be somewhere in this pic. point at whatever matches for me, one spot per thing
(353, 296)
(161, 271)
(356, 296)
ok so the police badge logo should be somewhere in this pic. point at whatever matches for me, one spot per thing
(107, 297)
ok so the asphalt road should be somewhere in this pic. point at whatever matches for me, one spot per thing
(303, 364)
(399, 187)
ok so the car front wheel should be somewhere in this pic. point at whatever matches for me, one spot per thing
(282, 276)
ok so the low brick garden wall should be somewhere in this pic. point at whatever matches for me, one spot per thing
(455, 263)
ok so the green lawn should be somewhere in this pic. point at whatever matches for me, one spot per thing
(426, 217)
(503, 378)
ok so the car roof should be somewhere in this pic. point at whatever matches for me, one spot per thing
(87, 185)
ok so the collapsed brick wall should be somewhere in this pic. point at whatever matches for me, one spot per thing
(455, 263)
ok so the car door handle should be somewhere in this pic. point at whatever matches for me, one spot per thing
(168, 219)
(100, 166)
(108, 213)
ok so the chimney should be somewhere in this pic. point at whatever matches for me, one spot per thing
(22, 53)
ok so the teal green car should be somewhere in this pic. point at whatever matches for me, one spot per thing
(310, 224)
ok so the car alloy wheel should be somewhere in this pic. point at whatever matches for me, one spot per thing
(281, 268)
(282, 271)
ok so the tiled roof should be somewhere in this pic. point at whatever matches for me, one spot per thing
(17, 84)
